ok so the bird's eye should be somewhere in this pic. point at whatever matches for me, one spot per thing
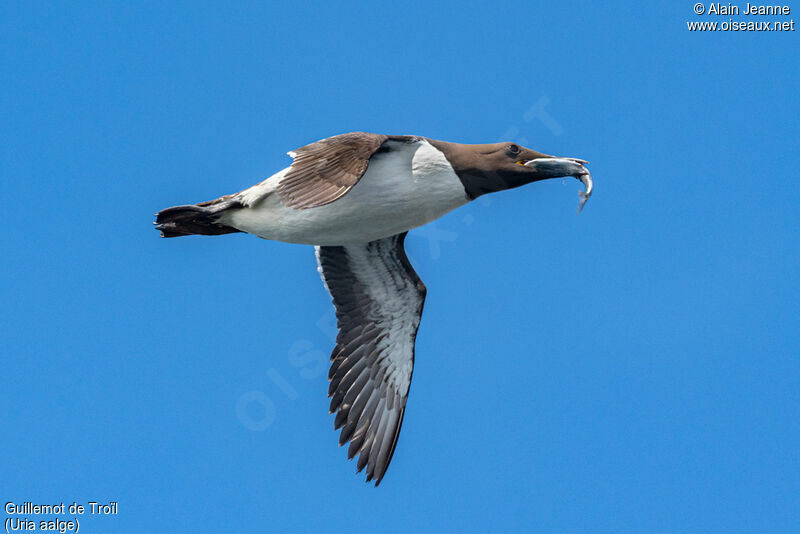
(513, 149)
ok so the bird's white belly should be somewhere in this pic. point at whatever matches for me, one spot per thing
(401, 190)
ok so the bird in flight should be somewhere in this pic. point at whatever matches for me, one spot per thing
(354, 197)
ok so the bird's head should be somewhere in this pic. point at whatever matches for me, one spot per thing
(500, 166)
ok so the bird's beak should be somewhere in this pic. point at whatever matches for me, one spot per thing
(558, 167)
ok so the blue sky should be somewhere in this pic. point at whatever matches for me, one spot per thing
(631, 369)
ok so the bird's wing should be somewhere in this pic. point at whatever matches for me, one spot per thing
(378, 299)
(326, 170)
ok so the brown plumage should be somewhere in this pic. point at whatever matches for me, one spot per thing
(327, 169)
(196, 218)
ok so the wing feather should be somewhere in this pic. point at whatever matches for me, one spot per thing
(327, 169)
(378, 299)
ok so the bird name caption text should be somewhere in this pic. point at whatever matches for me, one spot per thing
(61, 517)
(751, 18)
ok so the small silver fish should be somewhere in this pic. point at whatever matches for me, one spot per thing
(586, 180)
(567, 167)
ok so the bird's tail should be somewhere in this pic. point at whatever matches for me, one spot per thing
(202, 219)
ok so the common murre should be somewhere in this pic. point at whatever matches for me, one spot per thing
(354, 197)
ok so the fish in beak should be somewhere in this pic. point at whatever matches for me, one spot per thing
(557, 167)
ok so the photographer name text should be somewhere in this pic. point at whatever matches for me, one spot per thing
(750, 9)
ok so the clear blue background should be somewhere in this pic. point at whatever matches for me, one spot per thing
(631, 369)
